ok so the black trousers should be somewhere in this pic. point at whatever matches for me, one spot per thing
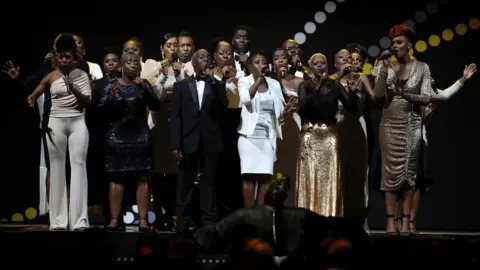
(191, 165)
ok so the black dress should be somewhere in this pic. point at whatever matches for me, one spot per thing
(128, 144)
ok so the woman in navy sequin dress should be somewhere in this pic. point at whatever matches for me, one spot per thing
(128, 144)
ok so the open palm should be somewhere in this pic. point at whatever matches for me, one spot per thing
(469, 71)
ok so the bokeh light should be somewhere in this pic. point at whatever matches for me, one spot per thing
(461, 29)
(434, 40)
(367, 69)
(31, 213)
(300, 38)
(310, 27)
(420, 46)
(320, 17)
(474, 23)
(17, 217)
(330, 6)
(447, 34)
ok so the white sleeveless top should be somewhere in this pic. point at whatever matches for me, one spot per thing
(65, 104)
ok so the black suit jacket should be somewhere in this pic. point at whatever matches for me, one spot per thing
(192, 124)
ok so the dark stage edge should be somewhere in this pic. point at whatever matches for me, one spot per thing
(36, 242)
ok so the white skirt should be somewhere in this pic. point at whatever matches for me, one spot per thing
(257, 155)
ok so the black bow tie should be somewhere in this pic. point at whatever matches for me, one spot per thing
(201, 78)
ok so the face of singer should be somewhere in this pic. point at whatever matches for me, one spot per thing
(201, 60)
(292, 48)
(280, 60)
(131, 65)
(258, 63)
(111, 62)
(169, 47)
(401, 45)
(223, 55)
(132, 47)
(65, 58)
(185, 47)
(318, 65)
(241, 39)
(342, 58)
(357, 60)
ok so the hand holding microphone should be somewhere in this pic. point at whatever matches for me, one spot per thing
(385, 55)
(68, 81)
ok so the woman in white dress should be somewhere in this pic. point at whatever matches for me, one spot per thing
(263, 106)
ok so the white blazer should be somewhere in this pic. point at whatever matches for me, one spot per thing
(251, 107)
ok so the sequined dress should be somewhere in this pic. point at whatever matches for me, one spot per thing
(128, 145)
(319, 185)
(400, 133)
(287, 148)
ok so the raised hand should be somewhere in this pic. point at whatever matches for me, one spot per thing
(10, 69)
(469, 71)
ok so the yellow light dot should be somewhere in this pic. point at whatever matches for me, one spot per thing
(17, 217)
(474, 23)
(367, 69)
(434, 40)
(410, 52)
(31, 213)
(461, 29)
(421, 46)
(447, 34)
(393, 58)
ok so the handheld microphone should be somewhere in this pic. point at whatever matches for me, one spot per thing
(299, 65)
(386, 55)
(264, 70)
(174, 57)
(66, 72)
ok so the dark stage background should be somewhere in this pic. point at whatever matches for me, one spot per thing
(28, 31)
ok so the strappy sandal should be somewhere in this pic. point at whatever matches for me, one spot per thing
(396, 231)
(117, 228)
(409, 233)
(413, 228)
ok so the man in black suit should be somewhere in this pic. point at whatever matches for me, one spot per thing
(196, 139)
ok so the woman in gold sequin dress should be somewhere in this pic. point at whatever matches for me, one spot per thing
(288, 146)
(406, 84)
(319, 186)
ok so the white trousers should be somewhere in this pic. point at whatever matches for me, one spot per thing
(71, 132)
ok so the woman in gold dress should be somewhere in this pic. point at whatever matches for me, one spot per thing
(319, 186)
(288, 146)
(406, 84)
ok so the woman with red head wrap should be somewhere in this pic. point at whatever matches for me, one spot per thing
(406, 84)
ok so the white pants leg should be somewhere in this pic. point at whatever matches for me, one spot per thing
(366, 186)
(71, 131)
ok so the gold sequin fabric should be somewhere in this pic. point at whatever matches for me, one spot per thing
(319, 187)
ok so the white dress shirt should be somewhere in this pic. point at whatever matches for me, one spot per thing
(238, 67)
(200, 89)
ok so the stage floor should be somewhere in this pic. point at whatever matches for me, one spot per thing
(126, 247)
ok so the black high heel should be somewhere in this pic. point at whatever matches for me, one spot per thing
(409, 233)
